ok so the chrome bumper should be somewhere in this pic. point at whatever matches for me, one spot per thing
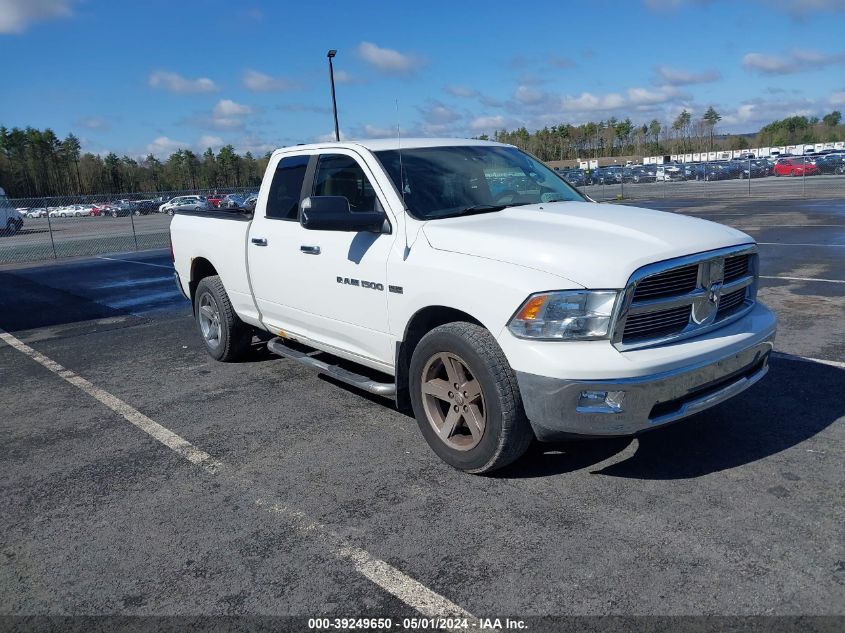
(650, 401)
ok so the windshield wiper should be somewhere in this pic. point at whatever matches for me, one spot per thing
(482, 208)
(486, 208)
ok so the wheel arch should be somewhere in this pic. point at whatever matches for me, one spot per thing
(423, 321)
(200, 269)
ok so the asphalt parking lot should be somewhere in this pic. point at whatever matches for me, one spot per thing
(305, 497)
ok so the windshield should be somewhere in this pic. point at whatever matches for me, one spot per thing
(440, 182)
(4, 201)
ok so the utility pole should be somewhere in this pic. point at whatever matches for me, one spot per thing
(331, 55)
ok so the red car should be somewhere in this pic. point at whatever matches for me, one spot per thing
(794, 167)
(215, 199)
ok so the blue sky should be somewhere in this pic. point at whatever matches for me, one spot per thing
(137, 77)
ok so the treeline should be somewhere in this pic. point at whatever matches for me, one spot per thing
(613, 137)
(36, 163)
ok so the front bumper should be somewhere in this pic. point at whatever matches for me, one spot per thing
(650, 401)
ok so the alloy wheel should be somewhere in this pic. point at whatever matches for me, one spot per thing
(209, 317)
(453, 401)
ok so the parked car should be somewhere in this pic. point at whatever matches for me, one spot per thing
(574, 177)
(831, 164)
(610, 175)
(754, 169)
(37, 213)
(65, 212)
(643, 173)
(11, 220)
(794, 167)
(496, 322)
(251, 202)
(670, 172)
(232, 201)
(169, 206)
(144, 207)
(215, 199)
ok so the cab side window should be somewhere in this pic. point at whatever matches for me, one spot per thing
(286, 188)
(339, 175)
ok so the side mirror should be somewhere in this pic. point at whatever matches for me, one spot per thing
(332, 213)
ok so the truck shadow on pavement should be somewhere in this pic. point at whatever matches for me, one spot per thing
(797, 400)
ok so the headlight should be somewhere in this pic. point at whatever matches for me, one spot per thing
(570, 315)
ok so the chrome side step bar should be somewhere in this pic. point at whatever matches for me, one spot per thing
(277, 346)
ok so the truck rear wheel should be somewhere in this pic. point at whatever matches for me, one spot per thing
(466, 399)
(225, 336)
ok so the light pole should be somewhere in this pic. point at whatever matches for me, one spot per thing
(330, 55)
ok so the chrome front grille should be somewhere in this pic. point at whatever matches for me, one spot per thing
(672, 282)
(685, 297)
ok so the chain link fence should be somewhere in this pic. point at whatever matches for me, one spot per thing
(69, 226)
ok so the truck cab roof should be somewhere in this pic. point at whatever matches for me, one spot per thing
(380, 144)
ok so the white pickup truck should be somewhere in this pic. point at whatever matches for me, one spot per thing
(469, 281)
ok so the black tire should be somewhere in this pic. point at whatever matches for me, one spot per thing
(11, 228)
(507, 433)
(235, 336)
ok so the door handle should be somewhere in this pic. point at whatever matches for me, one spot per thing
(310, 250)
(259, 241)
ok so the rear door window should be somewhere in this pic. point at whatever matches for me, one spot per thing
(286, 188)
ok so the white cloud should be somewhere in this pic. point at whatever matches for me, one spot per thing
(329, 137)
(259, 82)
(343, 77)
(17, 15)
(588, 101)
(174, 82)
(228, 108)
(644, 96)
(434, 112)
(387, 59)
(794, 62)
(528, 96)
(164, 146)
(374, 131)
(837, 98)
(207, 140)
(678, 77)
(489, 122)
(743, 114)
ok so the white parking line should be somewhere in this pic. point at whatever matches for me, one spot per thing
(832, 363)
(132, 261)
(410, 591)
(829, 281)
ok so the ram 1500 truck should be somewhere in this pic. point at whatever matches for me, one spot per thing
(469, 281)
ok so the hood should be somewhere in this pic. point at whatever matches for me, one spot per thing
(593, 245)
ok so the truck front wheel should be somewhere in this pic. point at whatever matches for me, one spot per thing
(466, 399)
(225, 336)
